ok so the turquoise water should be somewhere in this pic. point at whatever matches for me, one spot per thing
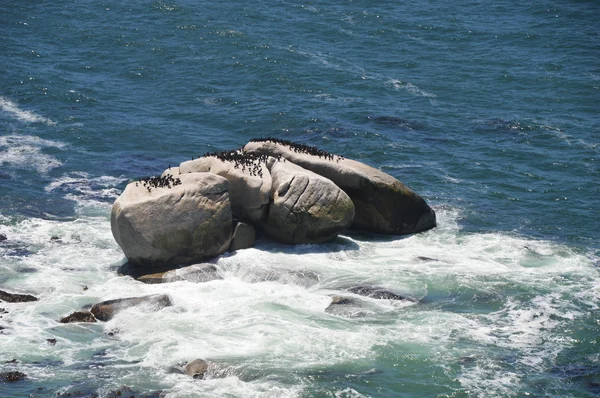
(489, 111)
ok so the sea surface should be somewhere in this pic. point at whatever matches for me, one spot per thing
(489, 110)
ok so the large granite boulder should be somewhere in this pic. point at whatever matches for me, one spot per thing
(305, 207)
(173, 220)
(249, 181)
(382, 203)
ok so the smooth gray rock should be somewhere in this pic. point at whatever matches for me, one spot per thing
(172, 225)
(249, 186)
(305, 207)
(244, 237)
(383, 204)
(106, 310)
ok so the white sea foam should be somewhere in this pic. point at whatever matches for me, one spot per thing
(259, 329)
(411, 88)
(86, 190)
(13, 109)
(26, 151)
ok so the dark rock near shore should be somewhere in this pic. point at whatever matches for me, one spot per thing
(16, 298)
(106, 310)
(197, 368)
(79, 316)
(9, 377)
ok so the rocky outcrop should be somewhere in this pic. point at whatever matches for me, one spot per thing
(249, 181)
(196, 369)
(305, 207)
(244, 237)
(106, 310)
(16, 298)
(168, 221)
(382, 203)
(79, 316)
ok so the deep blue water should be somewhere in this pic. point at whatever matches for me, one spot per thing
(489, 110)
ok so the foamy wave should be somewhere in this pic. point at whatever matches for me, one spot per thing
(23, 115)
(25, 150)
(411, 88)
(484, 297)
(86, 190)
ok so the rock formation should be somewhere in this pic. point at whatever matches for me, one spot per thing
(382, 203)
(295, 193)
(249, 180)
(306, 207)
(160, 223)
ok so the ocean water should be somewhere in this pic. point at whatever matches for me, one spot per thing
(489, 110)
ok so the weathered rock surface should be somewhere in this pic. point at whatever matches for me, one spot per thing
(174, 224)
(305, 207)
(106, 310)
(244, 237)
(79, 316)
(383, 204)
(375, 292)
(249, 185)
(16, 298)
(197, 368)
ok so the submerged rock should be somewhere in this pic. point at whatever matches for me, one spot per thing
(160, 223)
(347, 307)
(249, 181)
(79, 316)
(382, 203)
(9, 377)
(106, 310)
(375, 292)
(244, 237)
(196, 369)
(196, 273)
(16, 298)
(284, 276)
(306, 207)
